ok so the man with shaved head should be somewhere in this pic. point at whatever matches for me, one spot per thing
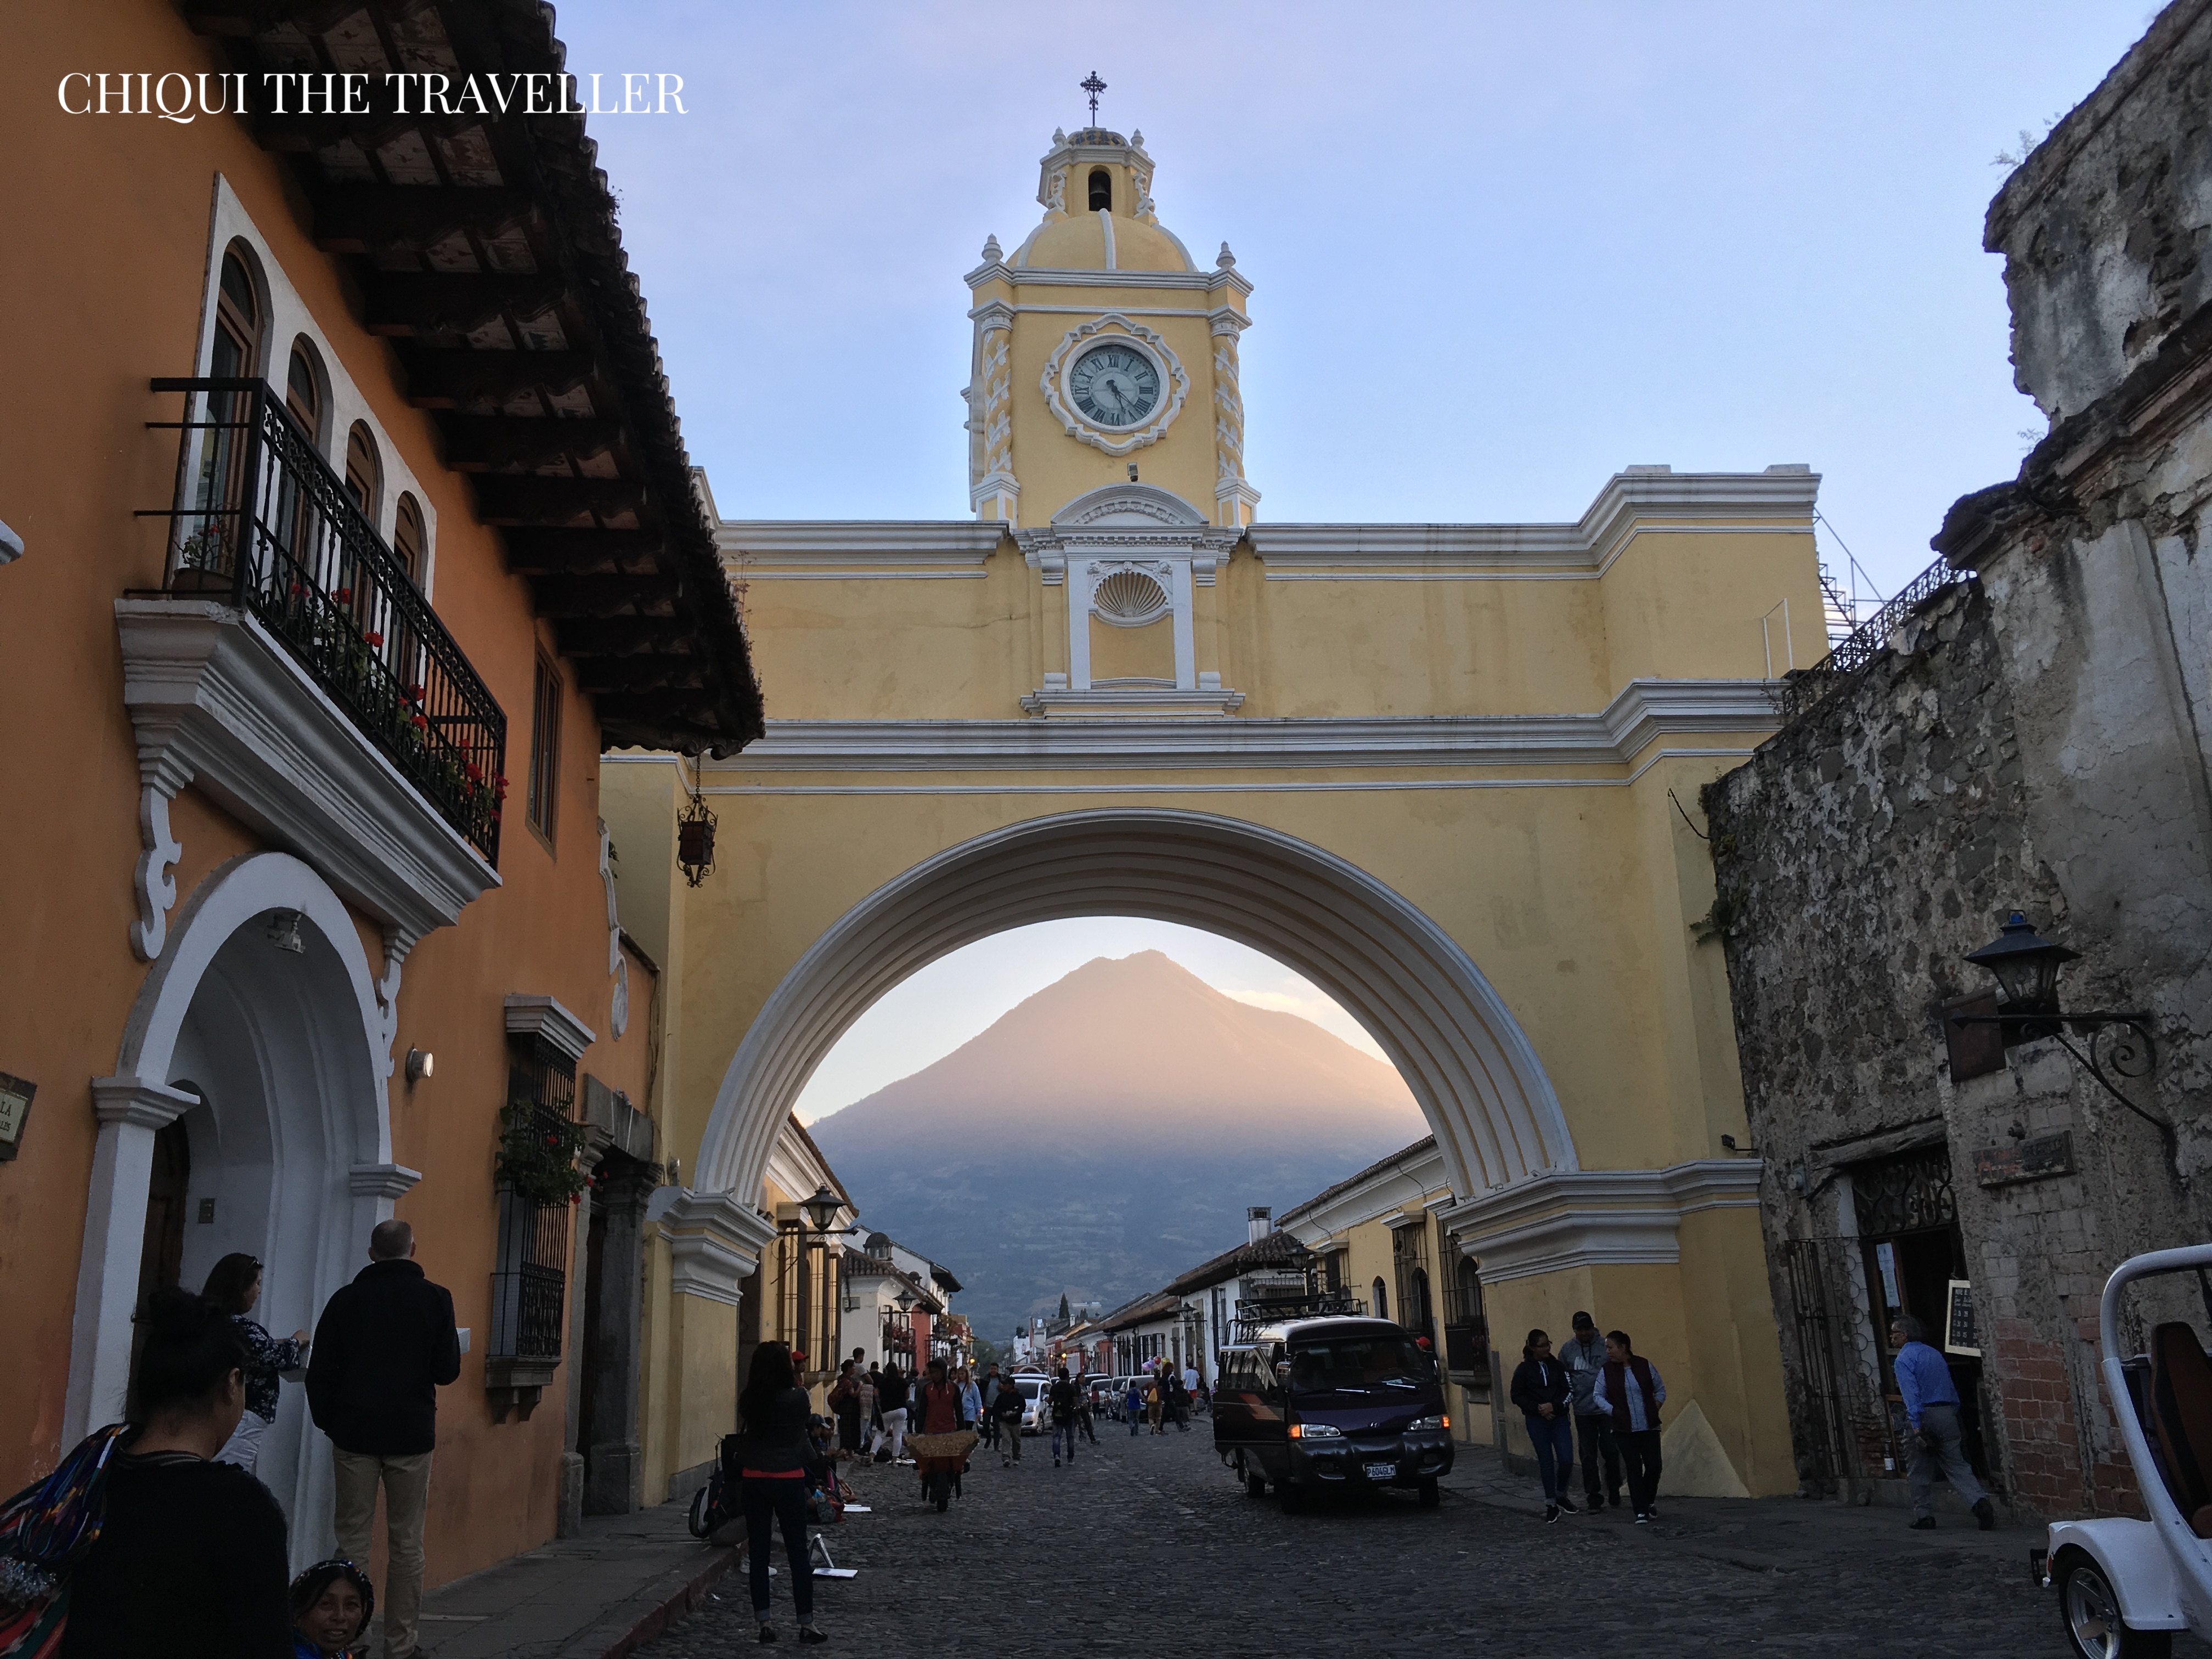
(382, 1347)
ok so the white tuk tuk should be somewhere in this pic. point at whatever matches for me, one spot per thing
(2125, 1586)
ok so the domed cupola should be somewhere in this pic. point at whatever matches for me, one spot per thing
(1096, 188)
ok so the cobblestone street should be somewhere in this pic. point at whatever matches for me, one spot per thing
(1146, 1545)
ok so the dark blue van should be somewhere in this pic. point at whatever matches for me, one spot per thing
(1319, 1404)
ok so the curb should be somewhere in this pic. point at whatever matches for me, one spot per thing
(673, 1606)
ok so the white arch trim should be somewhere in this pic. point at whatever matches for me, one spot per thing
(136, 1102)
(1462, 1054)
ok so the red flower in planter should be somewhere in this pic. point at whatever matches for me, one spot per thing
(475, 772)
(373, 638)
(576, 1198)
(552, 1140)
(344, 596)
(418, 722)
(415, 694)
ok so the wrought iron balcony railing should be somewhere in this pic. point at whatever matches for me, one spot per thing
(1803, 692)
(263, 523)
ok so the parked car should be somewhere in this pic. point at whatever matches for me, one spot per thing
(2125, 1585)
(1342, 1404)
(1035, 1413)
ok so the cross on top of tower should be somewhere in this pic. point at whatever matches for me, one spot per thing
(1091, 84)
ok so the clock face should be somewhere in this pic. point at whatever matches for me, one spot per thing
(1114, 385)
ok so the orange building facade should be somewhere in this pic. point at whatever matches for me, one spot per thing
(310, 672)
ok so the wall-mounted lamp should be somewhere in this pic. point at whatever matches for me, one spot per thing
(2025, 966)
(421, 1063)
(822, 1208)
(284, 932)
(695, 839)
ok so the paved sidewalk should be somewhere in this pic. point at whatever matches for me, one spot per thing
(594, 1597)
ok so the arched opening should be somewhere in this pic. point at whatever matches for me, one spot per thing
(1102, 191)
(237, 316)
(303, 389)
(248, 1115)
(364, 472)
(1436, 1018)
(408, 540)
(1380, 1293)
(235, 353)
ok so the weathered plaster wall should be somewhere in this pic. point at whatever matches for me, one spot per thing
(2104, 227)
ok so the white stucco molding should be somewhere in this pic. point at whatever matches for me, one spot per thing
(542, 1017)
(217, 703)
(1059, 703)
(386, 1180)
(714, 1243)
(133, 1104)
(856, 544)
(1644, 712)
(1595, 1218)
(1175, 383)
(1409, 1177)
(1778, 502)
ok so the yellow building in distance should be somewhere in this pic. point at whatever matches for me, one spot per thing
(1449, 773)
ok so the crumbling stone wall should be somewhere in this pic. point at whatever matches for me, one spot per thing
(2036, 736)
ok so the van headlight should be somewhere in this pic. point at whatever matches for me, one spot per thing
(1423, 1424)
(1315, 1432)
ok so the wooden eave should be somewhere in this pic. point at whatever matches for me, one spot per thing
(488, 254)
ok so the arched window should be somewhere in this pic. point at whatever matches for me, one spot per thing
(303, 389)
(1381, 1300)
(364, 473)
(1101, 190)
(408, 540)
(237, 321)
(1421, 1316)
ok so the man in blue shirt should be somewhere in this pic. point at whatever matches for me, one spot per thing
(1932, 1412)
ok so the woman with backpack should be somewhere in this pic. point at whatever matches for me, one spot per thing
(1545, 1393)
(771, 1452)
(189, 1562)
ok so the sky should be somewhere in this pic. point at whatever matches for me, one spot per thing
(1498, 253)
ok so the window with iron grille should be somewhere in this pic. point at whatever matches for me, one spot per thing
(1467, 1332)
(530, 1271)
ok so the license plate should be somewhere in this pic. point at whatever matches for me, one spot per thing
(1382, 1471)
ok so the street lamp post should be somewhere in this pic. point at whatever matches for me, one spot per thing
(2026, 967)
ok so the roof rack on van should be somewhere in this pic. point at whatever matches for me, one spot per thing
(1252, 1316)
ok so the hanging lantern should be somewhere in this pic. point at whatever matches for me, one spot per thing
(695, 841)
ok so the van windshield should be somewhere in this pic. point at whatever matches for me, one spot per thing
(1375, 1364)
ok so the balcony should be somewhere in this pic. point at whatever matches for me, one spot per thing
(289, 670)
(271, 530)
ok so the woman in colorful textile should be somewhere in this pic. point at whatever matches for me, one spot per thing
(189, 1559)
(234, 1285)
(331, 1604)
(941, 1407)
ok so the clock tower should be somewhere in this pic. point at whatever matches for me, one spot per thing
(1106, 430)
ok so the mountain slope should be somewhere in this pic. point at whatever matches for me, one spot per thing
(1107, 1133)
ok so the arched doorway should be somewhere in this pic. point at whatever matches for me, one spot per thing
(257, 1037)
(1461, 1051)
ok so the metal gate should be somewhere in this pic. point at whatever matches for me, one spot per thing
(1819, 1411)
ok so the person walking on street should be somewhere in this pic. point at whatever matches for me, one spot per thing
(1583, 1355)
(1132, 1407)
(1544, 1393)
(844, 1402)
(770, 1453)
(1086, 1406)
(1178, 1402)
(188, 1562)
(234, 1285)
(1006, 1408)
(1155, 1401)
(383, 1347)
(986, 1421)
(891, 1401)
(1931, 1410)
(940, 1406)
(1061, 1398)
(1630, 1391)
(1191, 1393)
(971, 1400)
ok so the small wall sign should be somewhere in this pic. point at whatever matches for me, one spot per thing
(15, 1094)
(1959, 1335)
(2026, 1160)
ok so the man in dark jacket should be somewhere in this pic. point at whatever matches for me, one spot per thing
(383, 1346)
